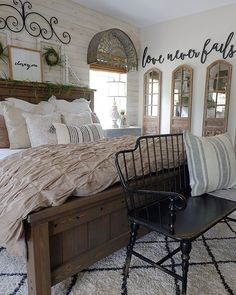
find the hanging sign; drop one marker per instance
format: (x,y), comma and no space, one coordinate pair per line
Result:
(226,49)
(25,64)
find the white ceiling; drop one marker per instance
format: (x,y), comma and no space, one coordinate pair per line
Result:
(143,13)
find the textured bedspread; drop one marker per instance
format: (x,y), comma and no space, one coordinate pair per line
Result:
(47,175)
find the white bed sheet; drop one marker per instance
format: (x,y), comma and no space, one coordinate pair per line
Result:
(6,152)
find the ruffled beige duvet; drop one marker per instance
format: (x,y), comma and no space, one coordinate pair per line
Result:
(47,176)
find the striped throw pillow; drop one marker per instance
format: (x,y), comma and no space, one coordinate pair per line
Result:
(211,163)
(73,134)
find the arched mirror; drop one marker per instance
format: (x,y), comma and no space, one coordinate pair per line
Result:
(152,101)
(217,95)
(181,99)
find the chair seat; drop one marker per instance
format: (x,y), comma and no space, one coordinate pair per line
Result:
(200,214)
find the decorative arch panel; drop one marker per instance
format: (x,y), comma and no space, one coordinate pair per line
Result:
(112,50)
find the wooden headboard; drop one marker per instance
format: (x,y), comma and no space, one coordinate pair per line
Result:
(36,92)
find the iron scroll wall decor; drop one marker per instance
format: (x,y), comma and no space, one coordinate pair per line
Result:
(21,20)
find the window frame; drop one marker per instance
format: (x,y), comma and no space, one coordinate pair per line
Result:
(216,125)
(181,123)
(152,120)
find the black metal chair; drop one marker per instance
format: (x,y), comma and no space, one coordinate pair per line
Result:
(154,176)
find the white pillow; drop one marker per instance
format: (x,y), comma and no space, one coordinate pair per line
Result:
(75,107)
(211,163)
(16,127)
(72,134)
(2,103)
(77,119)
(40,128)
(43,107)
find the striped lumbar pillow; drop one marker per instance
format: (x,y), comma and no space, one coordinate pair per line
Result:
(211,163)
(73,134)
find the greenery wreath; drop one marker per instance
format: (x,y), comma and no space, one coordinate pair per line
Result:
(52,57)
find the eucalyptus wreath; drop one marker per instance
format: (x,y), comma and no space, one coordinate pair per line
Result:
(52,57)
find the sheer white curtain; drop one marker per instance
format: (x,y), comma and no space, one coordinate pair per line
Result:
(100,81)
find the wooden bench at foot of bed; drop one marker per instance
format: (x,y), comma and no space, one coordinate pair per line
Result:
(64,240)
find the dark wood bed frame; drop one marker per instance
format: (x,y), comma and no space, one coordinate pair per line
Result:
(63,240)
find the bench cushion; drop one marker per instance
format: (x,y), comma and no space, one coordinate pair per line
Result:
(211,163)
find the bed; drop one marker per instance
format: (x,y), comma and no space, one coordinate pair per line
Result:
(64,240)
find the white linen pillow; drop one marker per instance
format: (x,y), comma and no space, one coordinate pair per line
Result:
(211,163)
(77,119)
(2,103)
(72,134)
(4,139)
(75,107)
(40,128)
(16,127)
(43,107)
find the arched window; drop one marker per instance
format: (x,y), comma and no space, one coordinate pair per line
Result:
(181,99)
(152,101)
(111,55)
(217,96)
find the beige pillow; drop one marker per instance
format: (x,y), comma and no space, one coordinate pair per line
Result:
(43,107)
(16,127)
(4,140)
(2,103)
(76,106)
(72,134)
(40,128)
(77,119)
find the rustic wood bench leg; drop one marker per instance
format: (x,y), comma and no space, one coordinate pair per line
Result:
(38,262)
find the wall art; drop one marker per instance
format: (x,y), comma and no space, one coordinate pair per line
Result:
(25,64)
(226,49)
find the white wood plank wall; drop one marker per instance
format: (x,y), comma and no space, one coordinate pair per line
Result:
(82,24)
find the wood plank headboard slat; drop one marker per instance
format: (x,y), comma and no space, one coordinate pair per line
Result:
(36,92)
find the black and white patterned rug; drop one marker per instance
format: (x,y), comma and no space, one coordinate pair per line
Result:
(212,269)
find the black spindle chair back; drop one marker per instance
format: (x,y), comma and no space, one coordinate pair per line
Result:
(157,163)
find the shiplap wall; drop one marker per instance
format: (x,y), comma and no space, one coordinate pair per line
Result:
(82,24)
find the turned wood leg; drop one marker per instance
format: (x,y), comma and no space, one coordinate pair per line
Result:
(185,247)
(38,262)
(133,234)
